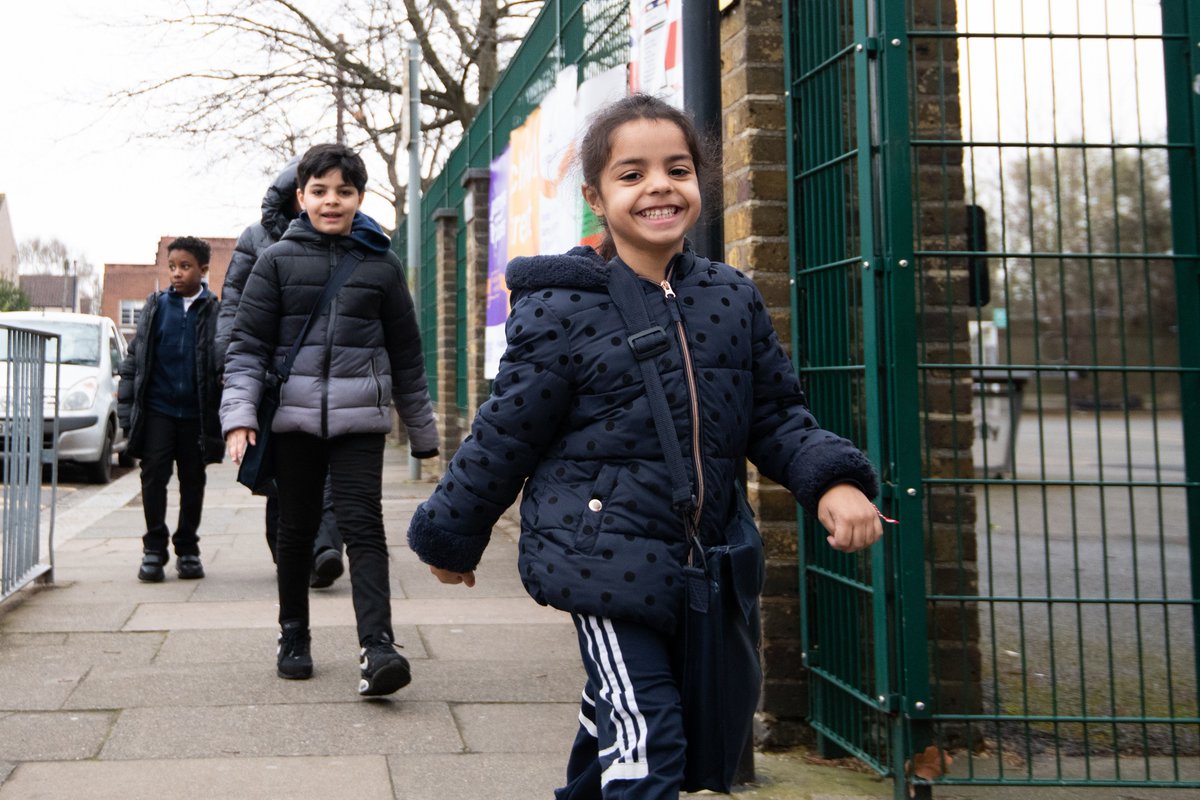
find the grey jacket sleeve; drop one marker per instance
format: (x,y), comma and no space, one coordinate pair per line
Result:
(410,389)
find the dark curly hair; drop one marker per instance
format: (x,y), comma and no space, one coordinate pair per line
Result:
(197,247)
(596,147)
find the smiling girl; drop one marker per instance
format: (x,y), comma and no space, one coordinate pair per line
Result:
(569,422)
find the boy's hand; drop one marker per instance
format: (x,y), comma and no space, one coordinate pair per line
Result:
(447,576)
(236,441)
(850,518)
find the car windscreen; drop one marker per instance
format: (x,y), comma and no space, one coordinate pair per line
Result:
(80,341)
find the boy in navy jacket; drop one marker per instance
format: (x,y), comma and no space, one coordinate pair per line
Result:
(168,401)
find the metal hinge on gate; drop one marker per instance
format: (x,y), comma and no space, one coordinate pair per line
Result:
(888,702)
(871,45)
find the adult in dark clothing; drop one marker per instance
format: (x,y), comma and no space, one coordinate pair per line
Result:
(168,401)
(362,354)
(279,208)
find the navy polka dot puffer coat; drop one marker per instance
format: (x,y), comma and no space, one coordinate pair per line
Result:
(569,422)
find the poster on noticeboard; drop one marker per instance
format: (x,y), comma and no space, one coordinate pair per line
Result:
(656,49)
(535,206)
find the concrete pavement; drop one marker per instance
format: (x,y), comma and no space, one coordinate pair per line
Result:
(111,688)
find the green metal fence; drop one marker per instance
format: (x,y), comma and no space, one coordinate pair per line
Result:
(996,248)
(588,34)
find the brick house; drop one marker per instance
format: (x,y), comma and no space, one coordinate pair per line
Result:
(52,292)
(127,285)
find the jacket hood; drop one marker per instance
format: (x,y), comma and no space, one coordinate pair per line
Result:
(364,231)
(578,268)
(280,201)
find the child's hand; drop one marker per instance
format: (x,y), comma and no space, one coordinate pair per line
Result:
(850,518)
(236,441)
(447,576)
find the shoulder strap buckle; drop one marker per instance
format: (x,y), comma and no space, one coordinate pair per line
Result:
(649,343)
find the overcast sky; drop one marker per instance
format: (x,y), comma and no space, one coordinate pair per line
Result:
(73,171)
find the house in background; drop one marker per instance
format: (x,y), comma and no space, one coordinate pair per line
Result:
(8,244)
(52,292)
(127,285)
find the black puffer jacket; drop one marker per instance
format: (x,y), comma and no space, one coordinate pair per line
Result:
(361,354)
(569,413)
(135,378)
(278,210)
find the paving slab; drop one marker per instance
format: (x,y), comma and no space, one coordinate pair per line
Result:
(364,727)
(6,769)
(477,776)
(414,581)
(37,650)
(53,736)
(358,777)
(257,646)
(518,727)
(39,616)
(78,590)
(337,611)
(44,687)
(545,681)
(499,642)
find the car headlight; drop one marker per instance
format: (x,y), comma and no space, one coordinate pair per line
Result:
(81,396)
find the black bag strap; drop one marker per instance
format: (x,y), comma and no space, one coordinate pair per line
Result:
(648,341)
(337,279)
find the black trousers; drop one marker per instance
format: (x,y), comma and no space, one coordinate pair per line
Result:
(172,444)
(354,464)
(328,535)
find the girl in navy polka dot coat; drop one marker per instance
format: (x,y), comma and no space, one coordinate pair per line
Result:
(570,424)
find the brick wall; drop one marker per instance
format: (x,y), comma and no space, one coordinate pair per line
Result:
(446,331)
(756,227)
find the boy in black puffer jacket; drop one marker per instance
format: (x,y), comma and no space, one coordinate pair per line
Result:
(362,353)
(167,401)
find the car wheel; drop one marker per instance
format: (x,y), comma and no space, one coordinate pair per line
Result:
(101,471)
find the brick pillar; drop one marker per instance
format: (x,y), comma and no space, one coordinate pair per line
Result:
(946,395)
(475,217)
(756,230)
(449,424)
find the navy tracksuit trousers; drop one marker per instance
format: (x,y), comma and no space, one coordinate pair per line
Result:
(630,744)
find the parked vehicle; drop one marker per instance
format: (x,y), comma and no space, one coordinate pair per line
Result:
(91,353)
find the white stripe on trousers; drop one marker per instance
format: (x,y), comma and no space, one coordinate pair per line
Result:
(629,725)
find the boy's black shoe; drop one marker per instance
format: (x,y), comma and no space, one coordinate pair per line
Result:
(294,658)
(189,567)
(151,570)
(383,669)
(327,568)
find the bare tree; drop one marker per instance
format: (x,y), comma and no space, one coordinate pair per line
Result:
(307,72)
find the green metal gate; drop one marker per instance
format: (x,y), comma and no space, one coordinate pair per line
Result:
(995,240)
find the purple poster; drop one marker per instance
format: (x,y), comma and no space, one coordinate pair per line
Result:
(497,291)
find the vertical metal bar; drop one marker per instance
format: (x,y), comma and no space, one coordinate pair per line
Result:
(1183,123)
(907,544)
(416,268)
(701,24)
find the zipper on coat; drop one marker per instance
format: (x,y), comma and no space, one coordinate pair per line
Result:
(328,349)
(693,394)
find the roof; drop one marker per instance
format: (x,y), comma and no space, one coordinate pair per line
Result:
(49,290)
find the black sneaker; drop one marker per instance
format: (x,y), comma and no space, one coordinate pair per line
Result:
(189,567)
(383,669)
(151,570)
(327,568)
(294,657)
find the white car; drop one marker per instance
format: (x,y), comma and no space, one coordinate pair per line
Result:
(92,349)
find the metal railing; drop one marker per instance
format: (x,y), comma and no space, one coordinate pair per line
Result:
(29,440)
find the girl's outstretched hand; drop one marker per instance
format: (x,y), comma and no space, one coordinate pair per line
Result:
(851,519)
(446,576)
